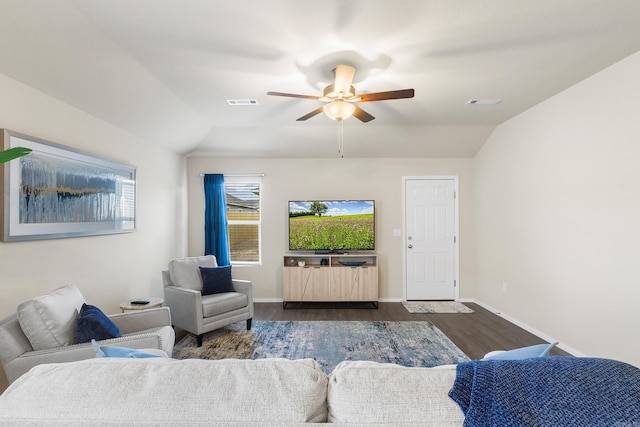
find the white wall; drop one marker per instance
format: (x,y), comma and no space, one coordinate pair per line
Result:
(558,215)
(107,269)
(296,179)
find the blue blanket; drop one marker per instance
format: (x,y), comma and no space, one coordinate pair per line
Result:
(548,391)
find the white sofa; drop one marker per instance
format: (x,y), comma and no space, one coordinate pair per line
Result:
(229,392)
(545,391)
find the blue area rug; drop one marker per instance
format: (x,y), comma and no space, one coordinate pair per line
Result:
(412,343)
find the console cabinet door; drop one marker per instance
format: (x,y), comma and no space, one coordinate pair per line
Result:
(341,278)
(307,284)
(366,288)
(354,283)
(319,288)
(292,279)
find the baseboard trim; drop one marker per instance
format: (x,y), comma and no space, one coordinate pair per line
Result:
(526,327)
(267,300)
(280,300)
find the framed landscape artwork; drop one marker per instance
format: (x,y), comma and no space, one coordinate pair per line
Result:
(55,192)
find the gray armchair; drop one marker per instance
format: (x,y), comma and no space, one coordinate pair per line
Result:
(42,331)
(197,313)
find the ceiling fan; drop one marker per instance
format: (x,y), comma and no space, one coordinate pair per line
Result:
(340,96)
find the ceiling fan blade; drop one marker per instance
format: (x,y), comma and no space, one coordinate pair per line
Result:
(382,96)
(362,115)
(344,77)
(293,95)
(311,114)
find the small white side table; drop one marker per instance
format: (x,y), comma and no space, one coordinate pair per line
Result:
(152,303)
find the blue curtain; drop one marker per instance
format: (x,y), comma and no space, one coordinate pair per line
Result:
(216,235)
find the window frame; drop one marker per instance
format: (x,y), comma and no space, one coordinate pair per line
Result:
(246,179)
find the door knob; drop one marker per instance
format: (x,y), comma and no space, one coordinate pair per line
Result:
(410,246)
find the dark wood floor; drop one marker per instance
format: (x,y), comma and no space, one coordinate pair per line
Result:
(475,333)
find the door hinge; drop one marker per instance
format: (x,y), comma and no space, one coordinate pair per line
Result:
(455,283)
(454,239)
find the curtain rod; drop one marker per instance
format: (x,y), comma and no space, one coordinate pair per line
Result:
(241,174)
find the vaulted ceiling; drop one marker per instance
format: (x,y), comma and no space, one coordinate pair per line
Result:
(164,69)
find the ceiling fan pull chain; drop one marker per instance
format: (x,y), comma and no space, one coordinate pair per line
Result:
(341,139)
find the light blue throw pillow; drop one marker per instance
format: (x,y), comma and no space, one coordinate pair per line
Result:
(539,350)
(112,351)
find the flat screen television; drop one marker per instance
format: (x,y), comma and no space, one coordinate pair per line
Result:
(332,225)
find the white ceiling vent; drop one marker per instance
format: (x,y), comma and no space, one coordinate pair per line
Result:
(242,101)
(484,101)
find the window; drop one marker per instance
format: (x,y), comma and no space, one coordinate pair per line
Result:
(243,215)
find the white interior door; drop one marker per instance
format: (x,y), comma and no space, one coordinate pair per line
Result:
(430,238)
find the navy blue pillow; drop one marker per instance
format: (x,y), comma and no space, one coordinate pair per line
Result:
(92,323)
(216,280)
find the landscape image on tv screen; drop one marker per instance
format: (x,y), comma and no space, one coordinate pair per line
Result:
(331,225)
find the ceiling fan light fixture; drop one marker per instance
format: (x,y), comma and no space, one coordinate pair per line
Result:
(339,110)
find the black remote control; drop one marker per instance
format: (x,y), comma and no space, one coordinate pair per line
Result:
(139,302)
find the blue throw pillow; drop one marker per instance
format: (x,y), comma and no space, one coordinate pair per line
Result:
(539,350)
(113,351)
(92,323)
(216,280)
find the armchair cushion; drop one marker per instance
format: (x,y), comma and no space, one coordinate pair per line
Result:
(215,304)
(184,272)
(216,280)
(48,321)
(92,323)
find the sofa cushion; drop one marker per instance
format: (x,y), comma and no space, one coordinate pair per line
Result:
(184,272)
(163,391)
(49,320)
(216,280)
(215,304)
(92,323)
(370,392)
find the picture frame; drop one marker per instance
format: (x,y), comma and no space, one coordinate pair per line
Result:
(59,192)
